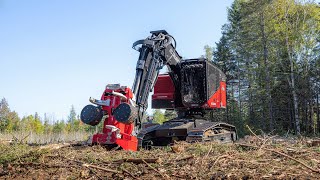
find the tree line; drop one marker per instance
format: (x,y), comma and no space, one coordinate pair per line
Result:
(270,52)
(11,122)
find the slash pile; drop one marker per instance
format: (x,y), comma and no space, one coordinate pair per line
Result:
(253,157)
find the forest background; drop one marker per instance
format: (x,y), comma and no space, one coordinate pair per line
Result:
(270,52)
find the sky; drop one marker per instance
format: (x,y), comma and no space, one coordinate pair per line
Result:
(55,54)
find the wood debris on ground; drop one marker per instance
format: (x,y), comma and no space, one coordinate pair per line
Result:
(253,157)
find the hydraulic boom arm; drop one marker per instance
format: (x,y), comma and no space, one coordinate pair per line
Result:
(155,51)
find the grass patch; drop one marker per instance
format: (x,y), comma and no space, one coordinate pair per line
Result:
(9,153)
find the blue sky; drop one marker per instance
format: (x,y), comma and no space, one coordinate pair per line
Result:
(54,54)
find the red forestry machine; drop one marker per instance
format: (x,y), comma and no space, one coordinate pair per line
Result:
(192,87)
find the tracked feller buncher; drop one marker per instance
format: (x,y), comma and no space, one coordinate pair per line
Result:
(191,87)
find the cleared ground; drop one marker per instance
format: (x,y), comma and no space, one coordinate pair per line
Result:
(251,158)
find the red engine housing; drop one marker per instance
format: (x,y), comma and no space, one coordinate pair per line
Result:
(201,86)
(164,93)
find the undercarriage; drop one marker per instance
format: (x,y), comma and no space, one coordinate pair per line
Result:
(186,129)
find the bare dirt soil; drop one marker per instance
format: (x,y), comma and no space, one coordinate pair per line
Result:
(253,157)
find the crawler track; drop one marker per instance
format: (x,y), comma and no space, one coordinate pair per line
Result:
(190,130)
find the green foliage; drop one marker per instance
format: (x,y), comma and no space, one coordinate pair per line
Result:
(208,52)
(270,52)
(72,116)
(58,127)
(30,123)
(158,116)
(13,152)
(224,59)
(170,114)
(74,123)
(8,119)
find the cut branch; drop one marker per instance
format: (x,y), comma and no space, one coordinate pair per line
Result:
(164,176)
(139,161)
